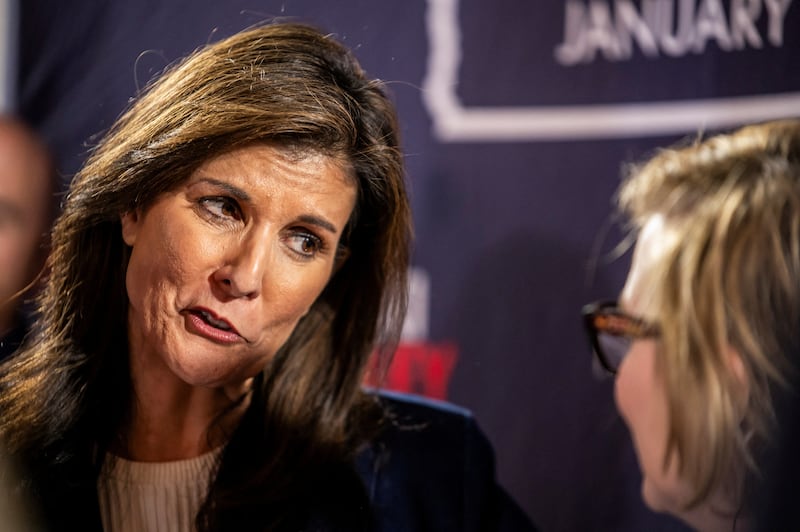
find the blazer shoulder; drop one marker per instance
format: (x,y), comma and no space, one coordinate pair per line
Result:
(432,468)
(416,407)
(413,422)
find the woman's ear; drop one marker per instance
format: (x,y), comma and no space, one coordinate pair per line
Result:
(741,380)
(130,226)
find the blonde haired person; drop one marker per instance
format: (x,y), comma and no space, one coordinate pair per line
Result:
(703,339)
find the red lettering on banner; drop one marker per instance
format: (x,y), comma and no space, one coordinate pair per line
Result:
(418,368)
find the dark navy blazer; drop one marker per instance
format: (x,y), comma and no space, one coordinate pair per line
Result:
(433,470)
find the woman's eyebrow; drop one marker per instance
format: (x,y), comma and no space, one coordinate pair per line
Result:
(240,194)
(234,191)
(320,222)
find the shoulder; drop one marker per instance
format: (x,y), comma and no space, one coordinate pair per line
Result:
(432,468)
(419,429)
(419,402)
(408,411)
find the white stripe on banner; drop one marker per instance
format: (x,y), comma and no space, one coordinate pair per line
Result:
(453,122)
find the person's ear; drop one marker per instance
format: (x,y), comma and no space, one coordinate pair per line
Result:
(130,226)
(741,381)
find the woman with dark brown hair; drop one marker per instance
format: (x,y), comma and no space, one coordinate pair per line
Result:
(230,256)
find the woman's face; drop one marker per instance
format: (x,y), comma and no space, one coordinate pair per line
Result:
(223,267)
(639,391)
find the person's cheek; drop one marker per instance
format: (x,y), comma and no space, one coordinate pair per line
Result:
(624,392)
(641,401)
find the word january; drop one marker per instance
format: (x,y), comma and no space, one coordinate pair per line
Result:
(661,27)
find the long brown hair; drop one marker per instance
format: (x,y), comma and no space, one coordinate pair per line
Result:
(67,395)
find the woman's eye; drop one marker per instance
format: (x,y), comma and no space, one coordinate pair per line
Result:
(222,207)
(305,244)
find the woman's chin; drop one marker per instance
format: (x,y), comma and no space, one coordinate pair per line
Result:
(203,364)
(652,497)
(661,498)
(672,500)
(209,373)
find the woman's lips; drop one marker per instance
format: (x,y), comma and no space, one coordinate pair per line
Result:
(205,323)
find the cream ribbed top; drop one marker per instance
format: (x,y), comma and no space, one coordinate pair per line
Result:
(153,496)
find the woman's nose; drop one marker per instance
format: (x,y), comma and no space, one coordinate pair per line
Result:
(243,273)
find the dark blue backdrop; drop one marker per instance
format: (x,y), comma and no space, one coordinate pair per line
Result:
(514,133)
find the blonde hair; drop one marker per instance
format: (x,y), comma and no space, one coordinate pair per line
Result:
(730,282)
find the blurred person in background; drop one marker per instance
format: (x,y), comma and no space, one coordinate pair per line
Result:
(704,337)
(27,200)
